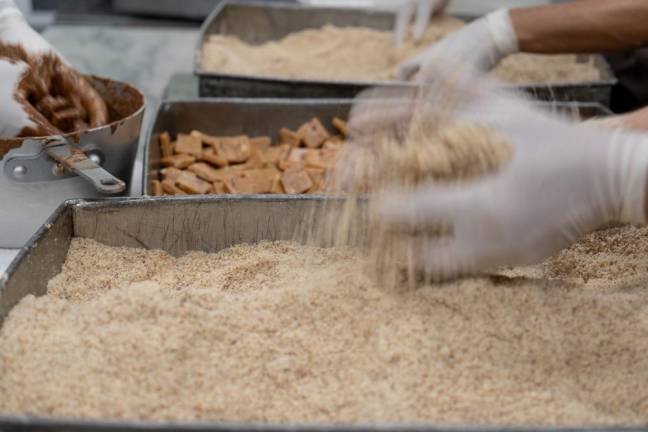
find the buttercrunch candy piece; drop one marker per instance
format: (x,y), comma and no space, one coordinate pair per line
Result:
(234,149)
(294,160)
(225,174)
(315,160)
(204,171)
(286,136)
(188,144)
(257,160)
(210,155)
(192,184)
(171,173)
(50,104)
(206,139)
(65,114)
(218,187)
(341,126)
(277,188)
(170,188)
(333,143)
(156,188)
(298,154)
(313,133)
(276,153)
(287,165)
(296,182)
(253,181)
(179,161)
(165,145)
(260,143)
(316,175)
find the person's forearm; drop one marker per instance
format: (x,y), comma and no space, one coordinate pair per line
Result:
(582,27)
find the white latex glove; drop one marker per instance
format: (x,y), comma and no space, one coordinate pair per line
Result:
(15,30)
(478,46)
(32,70)
(563,181)
(17,115)
(419,12)
(407,11)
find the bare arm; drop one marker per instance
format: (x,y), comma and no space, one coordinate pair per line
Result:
(582,26)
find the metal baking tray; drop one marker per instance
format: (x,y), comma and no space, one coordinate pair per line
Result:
(258,22)
(222,117)
(176,225)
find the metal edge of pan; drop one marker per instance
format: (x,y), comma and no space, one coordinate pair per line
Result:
(33,241)
(40,424)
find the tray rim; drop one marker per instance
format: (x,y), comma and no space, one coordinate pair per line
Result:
(266,79)
(28,423)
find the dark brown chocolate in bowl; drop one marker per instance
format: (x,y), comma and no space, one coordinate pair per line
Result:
(124,103)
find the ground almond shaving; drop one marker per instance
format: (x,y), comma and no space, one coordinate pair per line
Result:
(359,53)
(281,333)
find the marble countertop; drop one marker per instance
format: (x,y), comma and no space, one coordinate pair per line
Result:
(148,57)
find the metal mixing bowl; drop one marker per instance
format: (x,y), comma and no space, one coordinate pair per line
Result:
(31,184)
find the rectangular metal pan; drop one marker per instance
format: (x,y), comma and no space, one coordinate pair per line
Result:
(255,117)
(258,22)
(176,225)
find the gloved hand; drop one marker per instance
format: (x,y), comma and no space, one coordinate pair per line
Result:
(563,181)
(478,46)
(33,71)
(419,12)
(18,117)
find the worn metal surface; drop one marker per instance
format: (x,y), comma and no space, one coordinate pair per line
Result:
(27,204)
(265,117)
(76,161)
(209,224)
(258,22)
(176,225)
(37,262)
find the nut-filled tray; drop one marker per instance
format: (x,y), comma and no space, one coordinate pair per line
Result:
(257,117)
(176,225)
(258,22)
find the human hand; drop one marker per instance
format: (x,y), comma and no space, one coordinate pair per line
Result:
(419,12)
(563,181)
(62,95)
(479,46)
(18,117)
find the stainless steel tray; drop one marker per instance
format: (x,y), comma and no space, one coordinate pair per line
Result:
(265,117)
(257,22)
(176,225)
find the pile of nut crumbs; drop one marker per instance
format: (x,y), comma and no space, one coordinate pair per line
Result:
(365,54)
(277,332)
